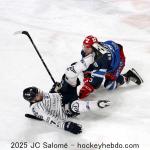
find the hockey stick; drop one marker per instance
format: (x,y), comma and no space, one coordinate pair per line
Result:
(33,117)
(28,35)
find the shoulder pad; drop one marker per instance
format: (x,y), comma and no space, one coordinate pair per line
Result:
(100,48)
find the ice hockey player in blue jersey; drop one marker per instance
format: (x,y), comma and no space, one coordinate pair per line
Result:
(109,61)
(52,108)
(100,61)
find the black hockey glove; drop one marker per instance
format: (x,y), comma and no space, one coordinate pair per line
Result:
(73,127)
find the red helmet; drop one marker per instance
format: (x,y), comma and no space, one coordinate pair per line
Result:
(89,41)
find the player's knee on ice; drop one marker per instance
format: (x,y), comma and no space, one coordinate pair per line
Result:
(96,82)
(113,84)
(110,85)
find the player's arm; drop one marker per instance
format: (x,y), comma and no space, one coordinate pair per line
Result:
(70,77)
(40,112)
(79,106)
(92,83)
(75,69)
(96,77)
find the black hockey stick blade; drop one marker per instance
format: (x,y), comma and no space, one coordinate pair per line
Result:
(21,32)
(25,32)
(33,117)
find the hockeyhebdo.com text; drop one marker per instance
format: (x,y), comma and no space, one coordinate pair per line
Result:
(77,145)
(104,146)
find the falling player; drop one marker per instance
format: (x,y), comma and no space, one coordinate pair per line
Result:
(51,108)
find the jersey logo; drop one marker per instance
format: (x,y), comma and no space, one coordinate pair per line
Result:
(71,68)
(75,107)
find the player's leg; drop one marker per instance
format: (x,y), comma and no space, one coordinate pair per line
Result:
(131,75)
(113,84)
(68,92)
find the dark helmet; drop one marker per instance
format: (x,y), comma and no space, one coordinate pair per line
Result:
(30,93)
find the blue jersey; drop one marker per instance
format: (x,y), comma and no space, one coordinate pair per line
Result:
(105,63)
(110,60)
(114,49)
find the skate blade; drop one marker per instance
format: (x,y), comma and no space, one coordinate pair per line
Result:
(137,75)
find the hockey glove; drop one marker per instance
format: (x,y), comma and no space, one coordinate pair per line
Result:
(87,76)
(86,90)
(103,103)
(73,127)
(55,88)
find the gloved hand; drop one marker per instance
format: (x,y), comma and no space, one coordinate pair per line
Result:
(55,88)
(86,90)
(87,80)
(87,76)
(103,103)
(73,127)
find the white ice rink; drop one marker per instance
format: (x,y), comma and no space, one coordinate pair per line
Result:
(58,28)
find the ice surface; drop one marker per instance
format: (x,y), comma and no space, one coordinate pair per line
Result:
(58,29)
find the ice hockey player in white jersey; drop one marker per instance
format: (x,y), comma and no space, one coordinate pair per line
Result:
(70,80)
(52,108)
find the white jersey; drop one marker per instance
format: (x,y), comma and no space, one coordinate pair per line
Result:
(50,109)
(74,70)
